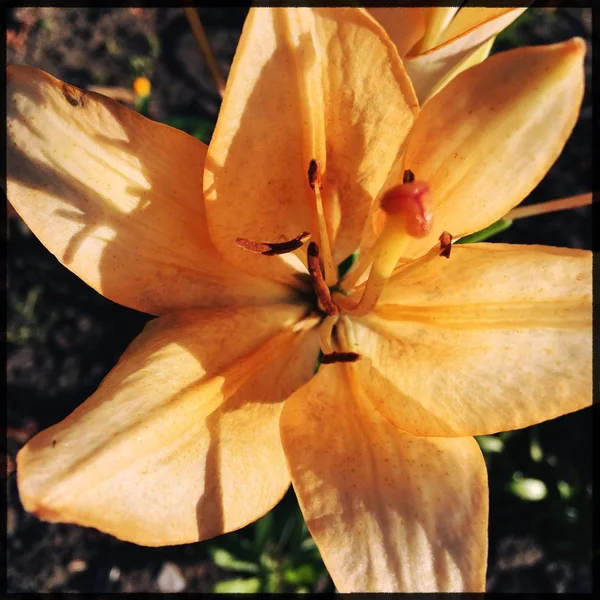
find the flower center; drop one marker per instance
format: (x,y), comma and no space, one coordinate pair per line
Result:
(408,215)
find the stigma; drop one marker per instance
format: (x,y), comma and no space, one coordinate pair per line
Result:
(409,215)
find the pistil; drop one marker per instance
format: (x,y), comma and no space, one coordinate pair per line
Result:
(316,183)
(365,261)
(408,216)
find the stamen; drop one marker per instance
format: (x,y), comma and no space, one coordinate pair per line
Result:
(345,341)
(346,335)
(358,270)
(316,183)
(409,215)
(445,244)
(334,357)
(408,176)
(273,248)
(314,174)
(325,333)
(435,252)
(318,283)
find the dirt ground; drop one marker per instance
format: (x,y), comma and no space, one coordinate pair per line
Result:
(63,337)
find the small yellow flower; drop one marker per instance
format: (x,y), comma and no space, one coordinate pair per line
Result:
(142,87)
(214,409)
(438,43)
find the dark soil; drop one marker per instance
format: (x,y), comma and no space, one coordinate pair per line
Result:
(63,337)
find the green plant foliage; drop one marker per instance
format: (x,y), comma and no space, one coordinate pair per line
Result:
(276,554)
(488,232)
(198,127)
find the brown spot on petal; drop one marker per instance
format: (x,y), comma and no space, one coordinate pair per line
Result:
(74,96)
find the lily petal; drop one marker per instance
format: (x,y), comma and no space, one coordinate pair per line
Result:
(324,84)
(487,18)
(437,19)
(474,57)
(389,512)
(483,142)
(405,26)
(496,338)
(180,443)
(117,198)
(474,26)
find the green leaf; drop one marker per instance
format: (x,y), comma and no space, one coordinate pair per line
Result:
(490,444)
(345,265)
(301,575)
(238,586)
(488,232)
(535,451)
(564,489)
(141,104)
(196,126)
(263,532)
(528,489)
(226,560)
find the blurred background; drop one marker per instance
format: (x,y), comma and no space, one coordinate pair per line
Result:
(62,339)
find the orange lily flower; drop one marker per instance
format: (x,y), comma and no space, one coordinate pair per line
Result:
(438,43)
(214,408)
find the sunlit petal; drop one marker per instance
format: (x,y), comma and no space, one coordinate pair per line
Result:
(305,83)
(474,26)
(181,442)
(496,338)
(117,198)
(437,19)
(388,511)
(405,26)
(483,143)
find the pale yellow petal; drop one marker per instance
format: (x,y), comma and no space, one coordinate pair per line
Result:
(496,338)
(389,512)
(469,18)
(428,68)
(117,198)
(483,142)
(474,57)
(181,441)
(305,83)
(405,26)
(437,19)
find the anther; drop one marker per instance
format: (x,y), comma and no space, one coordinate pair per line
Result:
(445,244)
(334,357)
(318,283)
(314,174)
(316,183)
(408,176)
(273,248)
